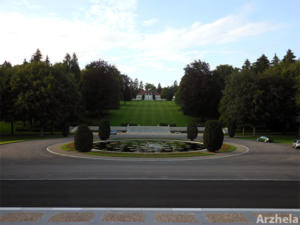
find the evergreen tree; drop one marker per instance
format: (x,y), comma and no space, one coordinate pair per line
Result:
(275,60)
(37,56)
(141,86)
(158,88)
(74,67)
(289,57)
(247,65)
(261,64)
(67,62)
(192,131)
(47,61)
(213,135)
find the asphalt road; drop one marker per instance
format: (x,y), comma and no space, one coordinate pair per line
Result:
(151,193)
(30,160)
(267,176)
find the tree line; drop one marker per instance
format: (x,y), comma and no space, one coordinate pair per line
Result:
(263,94)
(50,96)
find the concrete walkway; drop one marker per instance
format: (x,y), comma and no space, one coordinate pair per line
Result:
(148,130)
(145,216)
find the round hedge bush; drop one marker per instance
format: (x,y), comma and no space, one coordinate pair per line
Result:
(192,131)
(104,130)
(83,139)
(213,135)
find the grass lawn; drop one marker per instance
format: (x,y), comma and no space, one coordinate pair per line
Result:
(283,139)
(6,138)
(21,138)
(149,113)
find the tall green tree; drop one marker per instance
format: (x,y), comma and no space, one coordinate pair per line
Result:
(240,99)
(101,88)
(67,62)
(197,88)
(126,90)
(289,57)
(141,86)
(7,96)
(246,65)
(74,67)
(37,56)
(275,60)
(65,97)
(33,83)
(159,88)
(261,64)
(150,87)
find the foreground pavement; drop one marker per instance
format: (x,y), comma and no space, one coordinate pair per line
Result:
(146,216)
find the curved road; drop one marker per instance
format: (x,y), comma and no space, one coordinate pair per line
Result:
(268,176)
(30,160)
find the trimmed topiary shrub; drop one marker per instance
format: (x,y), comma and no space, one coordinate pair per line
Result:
(104,129)
(192,131)
(231,129)
(213,135)
(83,139)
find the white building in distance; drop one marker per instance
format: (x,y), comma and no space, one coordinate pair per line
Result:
(148,95)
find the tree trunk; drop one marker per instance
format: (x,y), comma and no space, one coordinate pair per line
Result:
(42,132)
(12,130)
(52,128)
(254,131)
(243,131)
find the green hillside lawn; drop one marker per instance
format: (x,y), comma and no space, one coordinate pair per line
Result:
(149,113)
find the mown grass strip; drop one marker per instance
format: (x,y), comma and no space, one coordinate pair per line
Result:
(150,155)
(149,113)
(283,139)
(227,148)
(9,142)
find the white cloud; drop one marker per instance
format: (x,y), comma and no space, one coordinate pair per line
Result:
(110,26)
(150,22)
(118,14)
(224,30)
(27,4)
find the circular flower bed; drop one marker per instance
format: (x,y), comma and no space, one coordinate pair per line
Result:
(147,146)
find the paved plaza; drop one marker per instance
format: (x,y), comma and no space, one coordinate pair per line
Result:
(99,216)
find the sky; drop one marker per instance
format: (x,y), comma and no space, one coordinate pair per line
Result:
(152,40)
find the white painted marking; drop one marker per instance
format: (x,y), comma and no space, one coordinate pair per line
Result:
(155,159)
(151,209)
(147,178)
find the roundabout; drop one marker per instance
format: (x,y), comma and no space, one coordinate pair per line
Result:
(154,150)
(31,160)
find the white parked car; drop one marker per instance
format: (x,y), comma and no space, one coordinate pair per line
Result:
(296,144)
